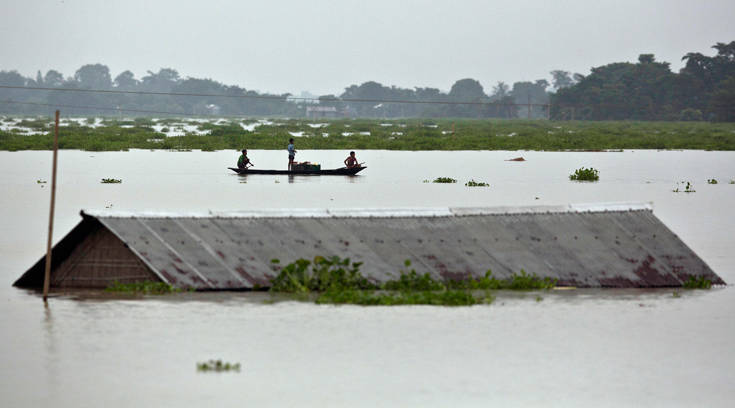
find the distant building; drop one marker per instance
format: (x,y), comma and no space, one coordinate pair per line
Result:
(213,109)
(318,112)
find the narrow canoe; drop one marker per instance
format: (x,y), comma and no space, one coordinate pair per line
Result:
(331,172)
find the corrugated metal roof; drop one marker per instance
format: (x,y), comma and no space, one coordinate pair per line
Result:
(619,245)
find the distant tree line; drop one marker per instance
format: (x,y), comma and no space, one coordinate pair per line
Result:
(648,90)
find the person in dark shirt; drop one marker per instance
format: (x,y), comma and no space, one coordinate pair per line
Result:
(243,162)
(351,161)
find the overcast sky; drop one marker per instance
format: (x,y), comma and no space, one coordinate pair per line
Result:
(323,46)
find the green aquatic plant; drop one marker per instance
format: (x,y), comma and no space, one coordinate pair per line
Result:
(444,180)
(473,183)
(146,288)
(409,280)
(217,366)
(39,181)
(697,282)
(520,281)
(339,281)
(585,174)
(712,181)
(319,275)
(688,188)
(732,181)
(111,181)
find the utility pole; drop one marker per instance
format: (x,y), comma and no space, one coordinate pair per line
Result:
(47,274)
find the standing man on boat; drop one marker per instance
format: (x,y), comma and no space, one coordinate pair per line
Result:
(291,153)
(243,162)
(351,161)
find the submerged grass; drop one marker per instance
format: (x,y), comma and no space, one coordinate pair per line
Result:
(403,134)
(338,281)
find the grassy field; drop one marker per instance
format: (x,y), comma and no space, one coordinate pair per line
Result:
(404,134)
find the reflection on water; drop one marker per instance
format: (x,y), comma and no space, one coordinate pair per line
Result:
(578,347)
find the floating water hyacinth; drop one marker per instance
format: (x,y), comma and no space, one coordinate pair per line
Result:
(218,366)
(111,181)
(473,183)
(444,180)
(585,174)
(688,188)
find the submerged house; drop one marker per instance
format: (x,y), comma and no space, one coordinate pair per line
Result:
(584,246)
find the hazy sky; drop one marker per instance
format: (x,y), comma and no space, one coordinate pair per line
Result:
(324,46)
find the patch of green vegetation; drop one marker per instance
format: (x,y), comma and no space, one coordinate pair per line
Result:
(585,174)
(339,281)
(676,294)
(732,181)
(444,180)
(469,134)
(39,181)
(520,281)
(324,274)
(712,181)
(688,188)
(697,282)
(217,366)
(111,181)
(146,288)
(473,183)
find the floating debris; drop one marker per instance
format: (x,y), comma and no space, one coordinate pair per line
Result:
(444,180)
(111,181)
(517,159)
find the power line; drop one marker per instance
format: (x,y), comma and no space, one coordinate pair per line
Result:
(271,97)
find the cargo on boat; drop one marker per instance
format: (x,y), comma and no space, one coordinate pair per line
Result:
(622,245)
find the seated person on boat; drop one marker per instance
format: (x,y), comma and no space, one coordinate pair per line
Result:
(243,162)
(351,161)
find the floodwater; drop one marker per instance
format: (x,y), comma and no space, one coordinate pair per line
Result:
(567,348)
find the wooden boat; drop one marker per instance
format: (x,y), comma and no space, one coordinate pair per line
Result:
(344,171)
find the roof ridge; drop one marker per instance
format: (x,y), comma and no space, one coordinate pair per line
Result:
(385,212)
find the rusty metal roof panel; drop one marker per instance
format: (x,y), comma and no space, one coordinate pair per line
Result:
(620,245)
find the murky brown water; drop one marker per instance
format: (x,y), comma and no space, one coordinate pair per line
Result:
(584,348)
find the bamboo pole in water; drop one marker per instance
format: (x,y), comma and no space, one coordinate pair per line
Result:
(47,275)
